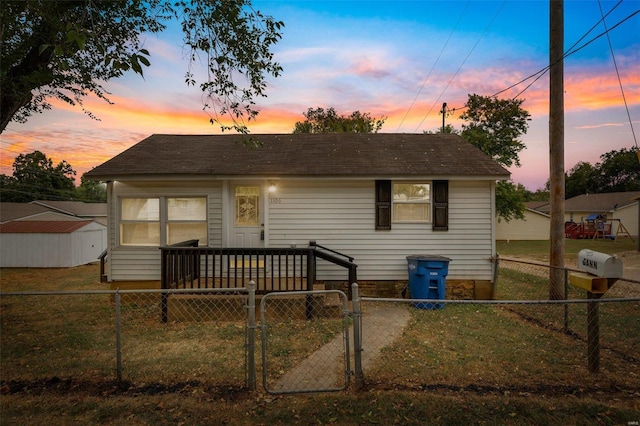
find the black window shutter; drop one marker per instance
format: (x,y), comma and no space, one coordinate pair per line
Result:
(440,205)
(383,204)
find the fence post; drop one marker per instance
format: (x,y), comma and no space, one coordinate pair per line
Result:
(251,344)
(357,337)
(496,271)
(164,284)
(566,297)
(118,337)
(593,332)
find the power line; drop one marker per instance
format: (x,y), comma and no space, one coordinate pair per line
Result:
(541,72)
(463,62)
(455,27)
(569,52)
(615,64)
(39,195)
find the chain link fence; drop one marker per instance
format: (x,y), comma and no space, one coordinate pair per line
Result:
(513,346)
(521,343)
(320,341)
(305,341)
(120,336)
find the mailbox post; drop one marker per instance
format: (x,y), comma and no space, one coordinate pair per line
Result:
(601,272)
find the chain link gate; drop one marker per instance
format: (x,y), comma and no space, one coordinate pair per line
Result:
(305,341)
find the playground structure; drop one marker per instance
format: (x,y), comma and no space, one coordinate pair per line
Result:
(595,226)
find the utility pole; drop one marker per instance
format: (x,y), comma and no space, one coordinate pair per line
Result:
(556,148)
(444,114)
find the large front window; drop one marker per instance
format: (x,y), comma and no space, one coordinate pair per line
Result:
(411,202)
(142,220)
(186,220)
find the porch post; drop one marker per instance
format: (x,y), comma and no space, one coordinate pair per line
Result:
(163,284)
(251,344)
(311,268)
(357,337)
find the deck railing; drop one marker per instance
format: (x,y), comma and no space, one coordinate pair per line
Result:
(103,262)
(187,266)
(273,269)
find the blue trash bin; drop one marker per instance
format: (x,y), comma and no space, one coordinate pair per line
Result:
(427,279)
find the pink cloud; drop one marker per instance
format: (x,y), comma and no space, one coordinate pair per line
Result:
(367,68)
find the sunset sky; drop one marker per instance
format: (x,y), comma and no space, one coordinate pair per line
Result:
(397,59)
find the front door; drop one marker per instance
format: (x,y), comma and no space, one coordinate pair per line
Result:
(246,216)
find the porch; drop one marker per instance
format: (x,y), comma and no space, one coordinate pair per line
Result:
(187,266)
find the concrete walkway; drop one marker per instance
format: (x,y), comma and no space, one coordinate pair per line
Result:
(325,369)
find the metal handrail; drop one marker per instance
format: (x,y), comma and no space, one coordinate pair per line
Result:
(314,244)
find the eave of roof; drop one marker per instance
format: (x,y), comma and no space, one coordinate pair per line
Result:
(75,208)
(311,155)
(598,203)
(11,211)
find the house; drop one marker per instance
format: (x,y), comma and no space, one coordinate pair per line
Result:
(374,197)
(42,210)
(534,226)
(28,211)
(619,210)
(86,211)
(39,236)
(50,243)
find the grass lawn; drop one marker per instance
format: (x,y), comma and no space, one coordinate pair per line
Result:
(465,364)
(539,250)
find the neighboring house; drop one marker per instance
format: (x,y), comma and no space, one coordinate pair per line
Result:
(617,207)
(51,243)
(375,197)
(534,226)
(39,235)
(82,210)
(28,211)
(54,210)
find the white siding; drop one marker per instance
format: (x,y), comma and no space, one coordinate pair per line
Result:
(629,218)
(143,263)
(52,250)
(535,226)
(88,243)
(340,215)
(35,250)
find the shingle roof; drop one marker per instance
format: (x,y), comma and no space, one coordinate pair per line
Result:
(43,227)
(329,154)
(597,203)
(536,205)
(13,211)
(76,208)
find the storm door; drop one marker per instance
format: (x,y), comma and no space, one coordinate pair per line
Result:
(246,216)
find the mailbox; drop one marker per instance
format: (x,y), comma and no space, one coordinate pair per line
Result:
(599,264)
(601,270)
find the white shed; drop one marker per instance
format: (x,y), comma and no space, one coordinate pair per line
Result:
(51,244)
(534,226)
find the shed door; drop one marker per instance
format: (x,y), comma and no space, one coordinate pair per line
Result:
(246,216)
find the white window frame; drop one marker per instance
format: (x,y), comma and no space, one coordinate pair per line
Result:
(428,202)
(169,221)
(124,222)
(163,222)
